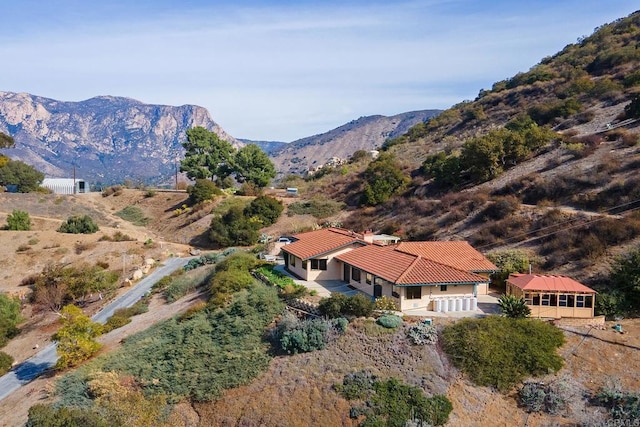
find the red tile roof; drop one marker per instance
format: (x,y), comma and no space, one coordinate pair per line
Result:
(457,254)
(318,242)
(534,282)
(402,268)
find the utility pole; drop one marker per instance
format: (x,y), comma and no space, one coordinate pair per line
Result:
(177,159)
(74,179)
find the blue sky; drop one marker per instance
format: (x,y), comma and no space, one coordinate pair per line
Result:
(283,70)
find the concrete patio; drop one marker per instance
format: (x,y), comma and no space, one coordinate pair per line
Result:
(487,304)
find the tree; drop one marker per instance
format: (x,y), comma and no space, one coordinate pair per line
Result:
(76,337)
(206,156)
(508,261)
(383,178)
(267,209)
(18,221)
(9,318)
(251,164)
(26,177)
(513,307)
(625,280)
(234,228)
(6,141)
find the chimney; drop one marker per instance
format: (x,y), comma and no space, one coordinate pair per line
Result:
(367,236)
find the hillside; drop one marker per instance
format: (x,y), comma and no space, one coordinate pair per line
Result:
(365,133)
(553,197)
(108,139)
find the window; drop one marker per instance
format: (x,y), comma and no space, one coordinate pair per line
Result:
(580,301)
(304,265)
(570,301)
(588,301)
(554,300)
(563,300)
(528,299)
(293,261)
(413,292)
(318,264)
(536,299)
(369,278)
(545,299)
(355,274)
(443,288)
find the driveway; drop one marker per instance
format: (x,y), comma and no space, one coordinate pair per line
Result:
(27,371)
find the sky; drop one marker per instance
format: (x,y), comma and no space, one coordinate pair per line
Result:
(281,70)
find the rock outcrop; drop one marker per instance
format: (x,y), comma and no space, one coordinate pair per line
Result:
(108,139)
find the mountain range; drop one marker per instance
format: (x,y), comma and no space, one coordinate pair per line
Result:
(109,139)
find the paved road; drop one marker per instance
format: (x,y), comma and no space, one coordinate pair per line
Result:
(45,359)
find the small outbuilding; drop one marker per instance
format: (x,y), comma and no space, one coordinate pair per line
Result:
(553,296)
(66,185)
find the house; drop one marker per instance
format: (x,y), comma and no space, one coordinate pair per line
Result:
(66,185)
(441,276)
(553,296)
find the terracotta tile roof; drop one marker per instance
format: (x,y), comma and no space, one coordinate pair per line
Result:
(402,268)
(318,242)
(457,254)
(535,282)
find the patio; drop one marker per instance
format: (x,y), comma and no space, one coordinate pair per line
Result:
(487,304)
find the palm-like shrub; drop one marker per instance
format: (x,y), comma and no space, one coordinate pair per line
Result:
(513,307)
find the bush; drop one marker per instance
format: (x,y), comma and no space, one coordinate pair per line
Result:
(78,225)
(203,190)
(389,321)
(422,333)
(6,361)
(114,190)
(301,336)
(115,322)
(338,305)
(267,209)
(513,307)
(9,318)
(385,303)
(18,221)
(540,397)
(498,351)
(622,406)
(392,403)
(318,207)
(134,215)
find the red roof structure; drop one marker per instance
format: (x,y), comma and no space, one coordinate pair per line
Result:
(318,242)
(458,254)
(403,268)
(542,283)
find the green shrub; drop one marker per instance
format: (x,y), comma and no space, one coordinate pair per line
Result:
(513,307)
(195,358)
(134,215)
(6,361)
(392,403)
(385,303)
(115,322)
(9,318)
(622,406)
(541,397)
(303,336)
(500,352)
(203,190)
(389,321)
(206,259)
(78,225)
(339,305)
(318,207)
(422,333)
(267,209)
(288,287)
(18,221)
